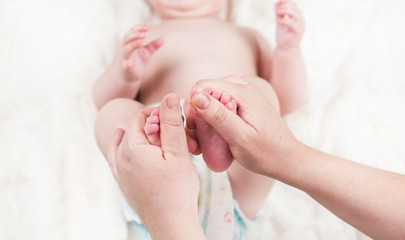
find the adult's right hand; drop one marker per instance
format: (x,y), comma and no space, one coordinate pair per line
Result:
(367,198)
(256,135)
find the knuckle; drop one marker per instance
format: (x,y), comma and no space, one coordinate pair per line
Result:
(248,87)
(170,152)
(173,122)
(205,82)
(233,78)
(201,82)
(230,77)
(245,139)
(220,115)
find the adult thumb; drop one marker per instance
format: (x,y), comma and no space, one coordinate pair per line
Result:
(172,133)
(228,124)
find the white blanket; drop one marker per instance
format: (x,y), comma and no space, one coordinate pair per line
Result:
(54,183)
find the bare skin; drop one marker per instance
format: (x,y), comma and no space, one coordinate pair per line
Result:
(195,44)
(202,128)
(372,200)
(141,181)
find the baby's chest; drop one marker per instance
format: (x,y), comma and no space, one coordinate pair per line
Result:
(207,49)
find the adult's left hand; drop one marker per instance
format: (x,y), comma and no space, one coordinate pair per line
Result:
(160,183)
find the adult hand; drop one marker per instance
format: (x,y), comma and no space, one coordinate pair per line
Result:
(160,183)
(256,135)
(369,199)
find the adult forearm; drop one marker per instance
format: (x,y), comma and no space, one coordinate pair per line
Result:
(369,199)
(112,85)
(186,230)
(289,78)
(172,225)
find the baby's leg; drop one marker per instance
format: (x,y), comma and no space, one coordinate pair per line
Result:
(215,149)
(248,188)
(117,113)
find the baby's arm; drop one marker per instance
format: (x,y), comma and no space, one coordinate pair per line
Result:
(287,74)
(122,77)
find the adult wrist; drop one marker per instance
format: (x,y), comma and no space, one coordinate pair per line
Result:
(286,160)
(295,165)
(177,228)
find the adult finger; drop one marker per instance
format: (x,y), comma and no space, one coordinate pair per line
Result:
(235,86)
(154,45)
(227,123)
(113,150)
(188,112)
(172,132)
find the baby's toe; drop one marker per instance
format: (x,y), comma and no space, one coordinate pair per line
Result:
(225,98)
(231,105)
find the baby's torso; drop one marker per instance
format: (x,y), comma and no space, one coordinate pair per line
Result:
(195,50)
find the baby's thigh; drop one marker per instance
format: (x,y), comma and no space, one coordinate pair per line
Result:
(117,113)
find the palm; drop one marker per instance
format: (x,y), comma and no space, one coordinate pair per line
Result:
(286,36)
(135,55)
(139,60)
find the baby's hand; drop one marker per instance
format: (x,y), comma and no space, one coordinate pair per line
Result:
(134,56)
(290,24)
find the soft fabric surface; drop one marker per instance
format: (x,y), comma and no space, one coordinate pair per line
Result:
(55,184)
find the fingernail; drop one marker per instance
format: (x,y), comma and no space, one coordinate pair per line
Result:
(201,101)
(173,103)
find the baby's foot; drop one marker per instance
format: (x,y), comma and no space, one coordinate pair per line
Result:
(152,127)
(290,24)
(215,149)
(152,131)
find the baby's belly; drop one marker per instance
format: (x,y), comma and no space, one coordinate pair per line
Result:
(181,79)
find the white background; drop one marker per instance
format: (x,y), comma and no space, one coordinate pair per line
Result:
(54,183)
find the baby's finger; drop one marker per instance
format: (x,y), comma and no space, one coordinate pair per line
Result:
(131,47)
(292,24)
(134,36)
(140,28)
(291,8)
(154,45)
(286,3)
(127,64)
(292,13)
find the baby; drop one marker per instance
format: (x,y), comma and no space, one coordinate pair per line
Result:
(190,43)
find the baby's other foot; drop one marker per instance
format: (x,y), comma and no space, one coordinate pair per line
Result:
(152,127)
(152,131)
(290,24)
(215,149)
